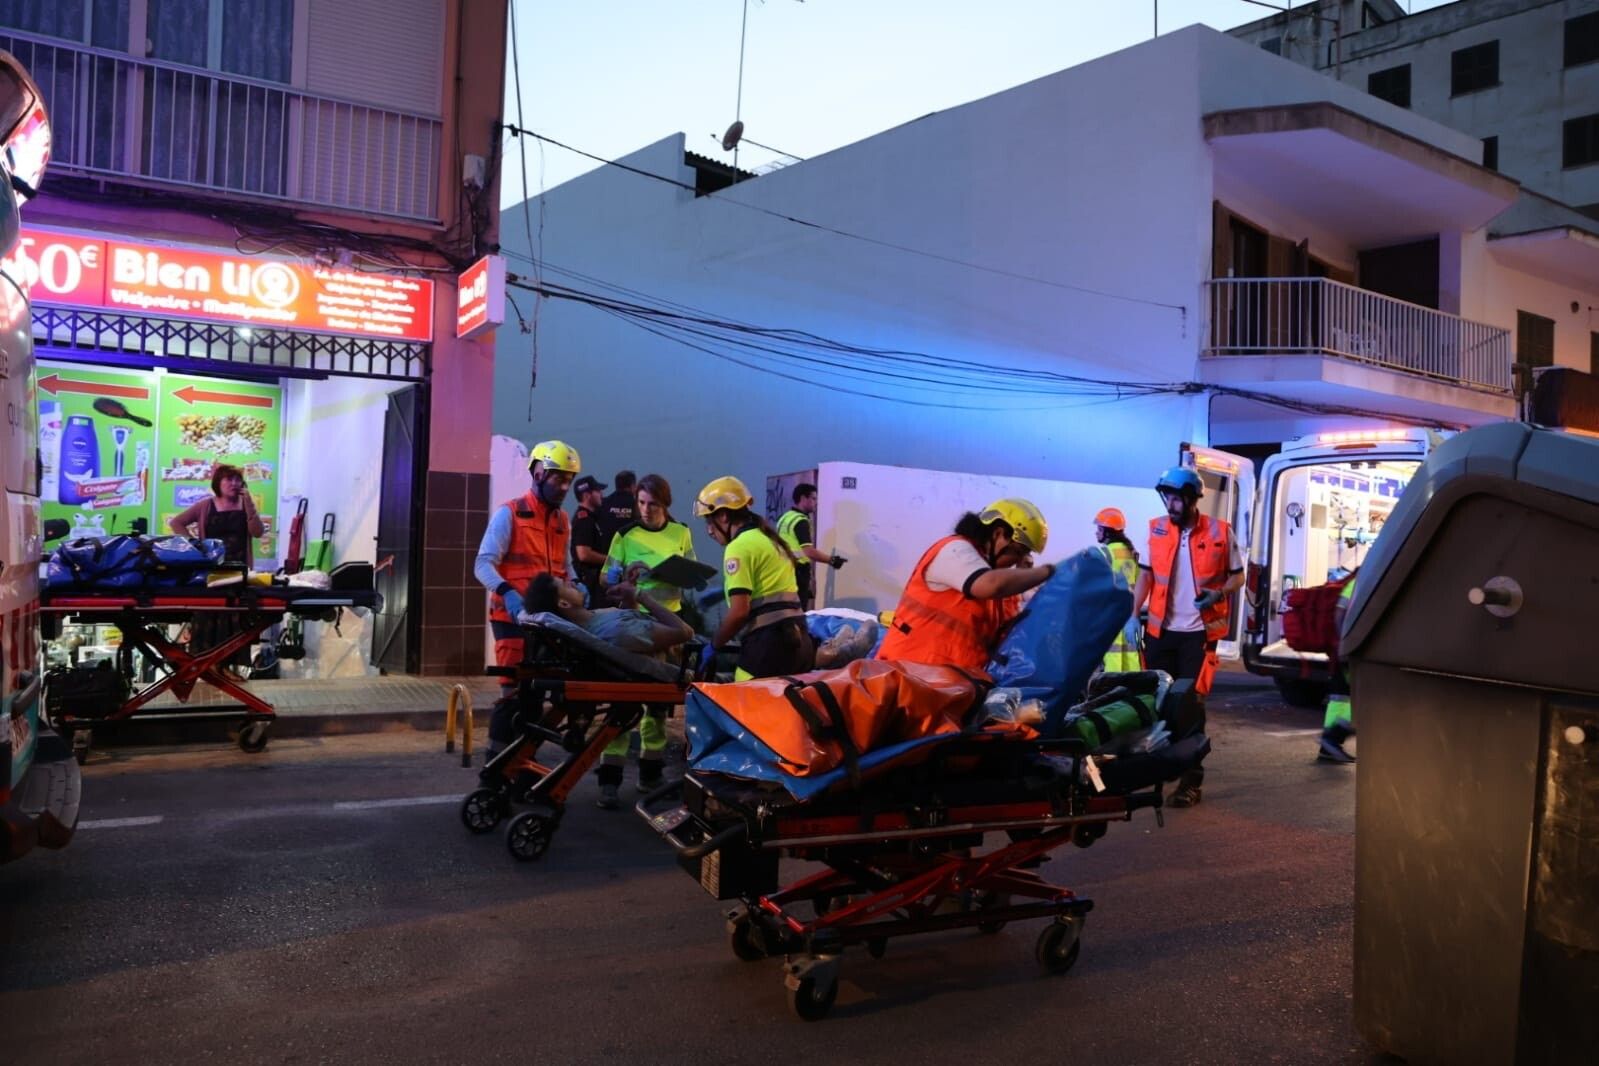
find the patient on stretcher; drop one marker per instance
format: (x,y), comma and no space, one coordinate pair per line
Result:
(624,626)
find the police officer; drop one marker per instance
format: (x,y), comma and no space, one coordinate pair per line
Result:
(588,545)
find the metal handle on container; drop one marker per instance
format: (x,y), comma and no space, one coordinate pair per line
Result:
(1499,596)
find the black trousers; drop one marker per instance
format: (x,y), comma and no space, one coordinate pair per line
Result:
(1182,655)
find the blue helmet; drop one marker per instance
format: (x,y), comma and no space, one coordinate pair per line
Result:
(1180,479)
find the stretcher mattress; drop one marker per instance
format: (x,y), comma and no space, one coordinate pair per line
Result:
(639,667)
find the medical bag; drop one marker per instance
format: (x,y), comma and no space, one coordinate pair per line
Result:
(1310,620)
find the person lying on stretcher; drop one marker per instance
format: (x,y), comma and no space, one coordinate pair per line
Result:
(625,625)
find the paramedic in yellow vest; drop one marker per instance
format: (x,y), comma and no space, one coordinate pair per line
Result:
(1110,530)
(796,530)
(647,541)
(763,606)
(1338,724)
(1188,577)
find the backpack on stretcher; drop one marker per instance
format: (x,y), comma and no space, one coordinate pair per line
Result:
(1310,620)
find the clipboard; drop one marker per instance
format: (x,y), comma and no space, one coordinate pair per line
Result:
(682,573)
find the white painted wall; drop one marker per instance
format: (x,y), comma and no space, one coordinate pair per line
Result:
(894,513)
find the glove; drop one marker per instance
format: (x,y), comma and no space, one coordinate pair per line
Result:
(1209,598)
(707,660)
(837,561)
(513,603)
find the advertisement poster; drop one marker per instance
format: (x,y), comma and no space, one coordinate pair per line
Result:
(205,421)
(96,443)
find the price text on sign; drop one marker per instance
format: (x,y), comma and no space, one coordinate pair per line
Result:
(60,268)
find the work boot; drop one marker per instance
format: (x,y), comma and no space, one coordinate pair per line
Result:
(650,775)
(610,797)
(1186,795)
(1331,749)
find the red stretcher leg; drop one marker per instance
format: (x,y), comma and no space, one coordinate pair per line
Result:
(186,668)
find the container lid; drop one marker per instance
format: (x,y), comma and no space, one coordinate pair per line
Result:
(1510,452)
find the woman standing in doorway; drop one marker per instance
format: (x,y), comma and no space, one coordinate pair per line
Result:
(228,515)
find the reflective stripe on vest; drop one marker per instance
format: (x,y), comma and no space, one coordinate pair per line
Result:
(1208,558)
(769,610)
(786,529)
(538,545)
(944,628)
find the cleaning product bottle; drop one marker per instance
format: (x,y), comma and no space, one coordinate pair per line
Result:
(80,457)
(50,450)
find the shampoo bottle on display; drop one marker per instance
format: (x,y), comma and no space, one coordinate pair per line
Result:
(80,457)
(50,450)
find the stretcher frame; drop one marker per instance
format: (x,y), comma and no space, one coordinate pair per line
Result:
(581,715)
(888,874)
(141,616)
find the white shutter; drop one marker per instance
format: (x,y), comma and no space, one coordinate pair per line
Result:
(388,53)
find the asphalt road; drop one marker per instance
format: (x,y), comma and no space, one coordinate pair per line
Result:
(322,902)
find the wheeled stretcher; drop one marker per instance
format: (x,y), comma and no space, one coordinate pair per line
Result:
(143,617)
(940,834)
(578,693)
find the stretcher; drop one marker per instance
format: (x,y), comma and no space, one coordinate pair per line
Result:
(944,834)
(578,693)
(143,617)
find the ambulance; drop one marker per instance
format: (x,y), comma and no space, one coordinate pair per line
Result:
(1309,517)
(39,782)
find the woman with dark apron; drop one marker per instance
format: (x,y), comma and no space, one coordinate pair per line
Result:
(228,515)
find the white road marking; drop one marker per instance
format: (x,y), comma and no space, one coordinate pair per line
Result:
(408,801)
(1293,733)
(121,823)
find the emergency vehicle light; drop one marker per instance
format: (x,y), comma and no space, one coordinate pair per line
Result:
(1362,436)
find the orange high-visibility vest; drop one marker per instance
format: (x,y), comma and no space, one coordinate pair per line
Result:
(1207,554)
(946,628)
(539,537)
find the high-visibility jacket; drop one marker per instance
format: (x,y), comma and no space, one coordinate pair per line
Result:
(1123,655)
(947,627)
(788,529)
(539,537)
(1207,555)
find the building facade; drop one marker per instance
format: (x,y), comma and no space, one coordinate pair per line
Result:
(281,193)
(1522,76)
(1186,241)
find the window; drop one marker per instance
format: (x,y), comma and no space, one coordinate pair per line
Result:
(1490,152)
(1392,85)
(1582,39)
(1274,45)
(1581,142)
(1535,339)
(1474,69)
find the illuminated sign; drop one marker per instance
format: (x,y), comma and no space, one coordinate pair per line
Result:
(480,297)
(61,268)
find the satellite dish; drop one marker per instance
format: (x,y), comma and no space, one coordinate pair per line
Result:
(734,134)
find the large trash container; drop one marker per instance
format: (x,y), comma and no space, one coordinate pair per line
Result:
(1473,642)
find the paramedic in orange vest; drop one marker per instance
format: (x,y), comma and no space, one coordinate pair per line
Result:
(964,589)
(526,537)
(1188,576)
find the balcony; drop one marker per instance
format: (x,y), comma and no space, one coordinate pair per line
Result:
(117,116)
(1278,317)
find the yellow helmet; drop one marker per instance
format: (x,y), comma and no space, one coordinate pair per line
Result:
(555,455)
(724,492)
(1026,521)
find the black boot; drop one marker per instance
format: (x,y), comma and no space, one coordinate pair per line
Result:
(609,775)
(1331,747)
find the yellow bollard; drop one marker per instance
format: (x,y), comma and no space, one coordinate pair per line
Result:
(460,699)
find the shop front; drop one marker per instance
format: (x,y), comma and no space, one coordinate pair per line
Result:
(159,362)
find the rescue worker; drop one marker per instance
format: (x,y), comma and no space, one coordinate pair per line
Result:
(1110,531)
(795,529)
(526,537)
(763,607)
(1338,722)
(651,539)
(1188,578)
(964,590)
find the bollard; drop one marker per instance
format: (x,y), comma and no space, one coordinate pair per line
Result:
(460,699)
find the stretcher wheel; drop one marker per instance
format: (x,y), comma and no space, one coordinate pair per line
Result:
(744,940)
(253,736)
(810,1000)
(1058,946)
(482,810)
(530,833)
(81,740)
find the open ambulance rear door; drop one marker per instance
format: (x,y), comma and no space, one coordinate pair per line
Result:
(1229,482)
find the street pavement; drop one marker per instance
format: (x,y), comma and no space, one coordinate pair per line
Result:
(322,901)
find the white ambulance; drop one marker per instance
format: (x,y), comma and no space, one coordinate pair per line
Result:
(39,782)
(1309,518)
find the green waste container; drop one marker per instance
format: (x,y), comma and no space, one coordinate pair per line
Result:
(1473,643)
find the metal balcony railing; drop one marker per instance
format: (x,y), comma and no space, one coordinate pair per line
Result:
(1317,316)
(114,115)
